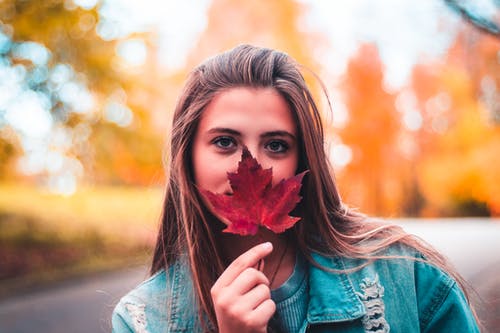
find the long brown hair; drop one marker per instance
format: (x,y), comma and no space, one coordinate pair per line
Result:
(329,227)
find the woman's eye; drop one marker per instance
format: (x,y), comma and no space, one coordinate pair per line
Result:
(224,142)
(277,146)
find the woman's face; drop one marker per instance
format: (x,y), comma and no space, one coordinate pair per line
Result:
(258,118)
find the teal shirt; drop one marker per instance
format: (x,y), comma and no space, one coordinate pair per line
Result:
(388,295)
(292,299)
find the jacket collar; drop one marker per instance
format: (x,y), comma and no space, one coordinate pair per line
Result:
(331,295)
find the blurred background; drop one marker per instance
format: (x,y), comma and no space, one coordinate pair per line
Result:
(87,89)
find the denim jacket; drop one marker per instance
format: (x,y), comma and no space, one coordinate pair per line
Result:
(396,295)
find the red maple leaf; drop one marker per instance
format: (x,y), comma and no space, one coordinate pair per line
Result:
(254,201)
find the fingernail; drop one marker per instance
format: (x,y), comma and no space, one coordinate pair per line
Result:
(267,245)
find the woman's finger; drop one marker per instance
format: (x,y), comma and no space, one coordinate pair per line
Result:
(256,296)
(244,261)
(262,313)
(247,280)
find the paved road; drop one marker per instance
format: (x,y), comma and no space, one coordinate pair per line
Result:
(85,305)
(78,306)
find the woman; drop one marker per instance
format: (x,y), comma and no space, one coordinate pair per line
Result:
(333,271)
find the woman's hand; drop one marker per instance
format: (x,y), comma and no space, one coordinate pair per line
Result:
(241,295)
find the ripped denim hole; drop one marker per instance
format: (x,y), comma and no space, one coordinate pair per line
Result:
(373,292)
(138,316)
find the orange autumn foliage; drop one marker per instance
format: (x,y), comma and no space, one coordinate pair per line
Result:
(460,158)
(371,180)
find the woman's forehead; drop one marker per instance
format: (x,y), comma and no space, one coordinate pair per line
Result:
(246,107)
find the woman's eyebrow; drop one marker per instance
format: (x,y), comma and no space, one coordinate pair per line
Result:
(224,130)
(237,133)
(278,133)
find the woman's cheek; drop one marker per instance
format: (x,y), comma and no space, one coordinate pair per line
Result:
(212,176)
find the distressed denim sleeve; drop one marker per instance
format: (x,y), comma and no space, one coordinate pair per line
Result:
(453,315)
(118,322)
(442,305)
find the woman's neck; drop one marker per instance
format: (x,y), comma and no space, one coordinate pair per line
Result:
(278,266)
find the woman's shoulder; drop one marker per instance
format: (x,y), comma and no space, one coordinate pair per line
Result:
(408,283)
(400,260)
(401,282)
(148,304)
(427,286)
(135,310)
(398,265)
(155,285)
(429,279)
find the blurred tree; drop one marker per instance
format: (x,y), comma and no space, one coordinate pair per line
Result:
(477,53)
(69,32)
(254,25)
(129,145)
(235,22)
(372,179)
(460,140)
(77,85)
